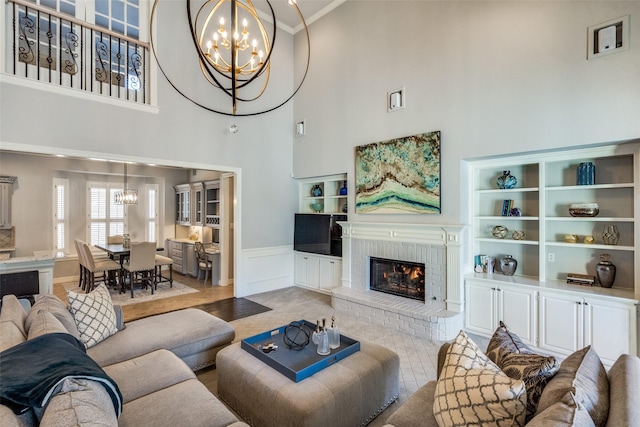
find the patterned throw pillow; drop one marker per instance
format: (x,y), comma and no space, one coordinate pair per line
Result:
(519,362)
(472,390)
(94,315)
(504,342)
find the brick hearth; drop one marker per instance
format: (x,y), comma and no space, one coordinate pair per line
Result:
(438,247)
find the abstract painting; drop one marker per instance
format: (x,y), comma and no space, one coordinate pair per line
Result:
(401,175)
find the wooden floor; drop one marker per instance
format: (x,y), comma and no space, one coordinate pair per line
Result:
(206,294)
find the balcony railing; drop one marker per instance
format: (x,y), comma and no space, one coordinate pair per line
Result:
(55,48)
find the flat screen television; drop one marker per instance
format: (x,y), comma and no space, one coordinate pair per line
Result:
(318,234)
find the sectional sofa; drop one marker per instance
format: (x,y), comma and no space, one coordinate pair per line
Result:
(151,361)
(577,392)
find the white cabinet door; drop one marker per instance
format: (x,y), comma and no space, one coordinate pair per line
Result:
(313,272)
(603,317)
(481,312)
(299,269)
(306,271)
(488,303)
(517,308)
(330,274)
(561,323)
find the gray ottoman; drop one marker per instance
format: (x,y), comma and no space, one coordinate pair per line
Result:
(350,393)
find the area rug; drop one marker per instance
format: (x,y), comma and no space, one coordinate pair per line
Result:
(233,308)
(141,295)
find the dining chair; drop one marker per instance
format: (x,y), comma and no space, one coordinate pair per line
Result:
(203,262)
(141,267)
(108,269)
(81,263)
(117,240)
(162,261)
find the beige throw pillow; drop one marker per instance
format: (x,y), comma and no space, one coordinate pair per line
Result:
(53,305)
(45,323)
(582,374)
(94,315)
(566,413)
(472,390)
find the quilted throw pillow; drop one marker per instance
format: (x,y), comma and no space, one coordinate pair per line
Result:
(472,390)
(519,362)
(94,315)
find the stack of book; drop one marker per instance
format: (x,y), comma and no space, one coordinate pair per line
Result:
(507,205)
(580,279)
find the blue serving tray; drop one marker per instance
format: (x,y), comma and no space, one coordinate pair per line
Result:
(297,364)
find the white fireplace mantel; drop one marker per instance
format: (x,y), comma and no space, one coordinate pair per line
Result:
(448,236)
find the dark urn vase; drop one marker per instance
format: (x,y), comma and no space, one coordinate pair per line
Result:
(508,265)
(316,191)
(606,271)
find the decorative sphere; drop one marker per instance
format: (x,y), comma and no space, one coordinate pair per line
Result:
(500,232)
(518,235)
(296,336)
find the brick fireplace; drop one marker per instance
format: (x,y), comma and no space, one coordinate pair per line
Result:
(437,314)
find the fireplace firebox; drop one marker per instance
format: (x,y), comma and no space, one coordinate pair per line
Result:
(401,278)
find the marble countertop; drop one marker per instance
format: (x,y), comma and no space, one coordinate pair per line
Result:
(39,257)
(183,240)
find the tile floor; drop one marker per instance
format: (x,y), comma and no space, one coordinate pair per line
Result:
(418,356)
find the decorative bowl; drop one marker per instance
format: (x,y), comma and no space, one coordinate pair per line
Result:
(584,209)
(571,238)
(317,207)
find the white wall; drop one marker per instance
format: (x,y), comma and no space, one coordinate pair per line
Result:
(493,77)
(179,134)
(32,199)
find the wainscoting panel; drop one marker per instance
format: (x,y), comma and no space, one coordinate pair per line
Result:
(266,269)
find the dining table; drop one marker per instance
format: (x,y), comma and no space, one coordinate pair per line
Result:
(118,251)
(115,251)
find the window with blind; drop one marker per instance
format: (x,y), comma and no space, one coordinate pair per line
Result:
(60,215)
(152,212)
(106,218)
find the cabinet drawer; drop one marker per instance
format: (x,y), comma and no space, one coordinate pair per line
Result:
(175,247)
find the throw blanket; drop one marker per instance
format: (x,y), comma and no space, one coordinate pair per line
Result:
(31,372)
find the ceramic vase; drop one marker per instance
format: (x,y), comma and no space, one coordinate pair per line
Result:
(508,265)
(343,189)
(506,180)
(316,191)
(586,174)
(610,235)
(606,271)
